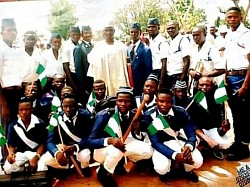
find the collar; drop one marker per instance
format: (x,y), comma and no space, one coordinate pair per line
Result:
(66,118)
(124,114)
(170,113)
(34,120)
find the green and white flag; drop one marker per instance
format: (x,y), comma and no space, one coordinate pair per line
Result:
(159,123)
(91,101)
(53,122)
(201,99)
(42,76)
(55,105)
(3,140)
(220,94)
(113,126)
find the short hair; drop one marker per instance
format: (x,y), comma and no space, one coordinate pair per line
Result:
(55,35)
(165,91)
(99,81)
(25,100)
(70,96)
(235,9)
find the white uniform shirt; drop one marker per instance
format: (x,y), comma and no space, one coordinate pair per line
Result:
(237,47)
(67,54)
(209,57)
(159,48)
(179,48)
(11,65)
(30,64)
(52,65)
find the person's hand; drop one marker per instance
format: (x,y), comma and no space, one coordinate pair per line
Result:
(33,164)
(242,92)
(186,153)
(11,158)
(61,159)
(69,150)
(197,76)
(180,158)
(117,143)
(5,113)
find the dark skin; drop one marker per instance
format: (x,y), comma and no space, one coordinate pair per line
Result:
(99,89)
(123,103)
(164,104)
(25,111)
(69,106)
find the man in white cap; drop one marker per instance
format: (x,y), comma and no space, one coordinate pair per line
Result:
(108,61)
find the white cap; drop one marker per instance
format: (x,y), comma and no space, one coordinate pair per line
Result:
(223,29)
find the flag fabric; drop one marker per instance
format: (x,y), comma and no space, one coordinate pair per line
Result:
(3,140)
(42,76)
(220,94)
(113,126)
(55,105)
(91,101)
(201,99)
(159,123)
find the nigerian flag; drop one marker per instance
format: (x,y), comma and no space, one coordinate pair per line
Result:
(220,94)
(42,76)
(159,123)
(2,136)
(91,101)
(201,99)
(55,104)
(113,126)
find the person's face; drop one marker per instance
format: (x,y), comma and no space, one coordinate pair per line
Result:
(212,31)
(25,111)
(87,35)
(153,29)
(108,33)
(58,83)
(198,36)
(233,19)
(164,102)
(9,33)
(180,93)
(150,87)
(99,89)
(172,29)
(74,36)
(31,91)
(205,84)
(30,40)
(56,43)
(123,102)
(135,34)
(69,107)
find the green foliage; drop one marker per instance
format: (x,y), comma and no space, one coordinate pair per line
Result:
(62,17)
(140,10)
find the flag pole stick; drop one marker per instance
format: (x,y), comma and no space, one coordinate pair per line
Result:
(71,157)
(189,104)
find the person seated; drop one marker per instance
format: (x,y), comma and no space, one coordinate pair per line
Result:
(163,123)
(211,125)
(110,141)
(69,137)
(26,139)
(149,88)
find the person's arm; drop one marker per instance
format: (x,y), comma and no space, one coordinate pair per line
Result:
(243,91)
(5,113)
(186,64)
(68,75)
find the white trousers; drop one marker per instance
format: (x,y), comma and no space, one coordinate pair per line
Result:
(162,164)
(21,159)
(82,156)
(135,150)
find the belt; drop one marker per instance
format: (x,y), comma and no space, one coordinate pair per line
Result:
(13,88)
(237,72)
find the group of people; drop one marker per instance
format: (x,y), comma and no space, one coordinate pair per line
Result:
(113,103)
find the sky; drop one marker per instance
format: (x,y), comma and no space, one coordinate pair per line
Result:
(32,15)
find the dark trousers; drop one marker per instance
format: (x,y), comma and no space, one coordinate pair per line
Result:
(170,80)
(239,108)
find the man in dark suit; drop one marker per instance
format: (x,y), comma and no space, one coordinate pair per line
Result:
(81,64)
(163,124)
(107,138)
(75,126)
(140,58)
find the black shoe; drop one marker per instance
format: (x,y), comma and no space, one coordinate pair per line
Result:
(238,153)
(106,178)
(166,177)
(86,172)
(218,154)
(192,176)
(120,169)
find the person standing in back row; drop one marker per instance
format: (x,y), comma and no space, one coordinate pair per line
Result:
(237,55)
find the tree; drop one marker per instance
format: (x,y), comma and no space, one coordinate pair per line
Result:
(140,10)
(62,17)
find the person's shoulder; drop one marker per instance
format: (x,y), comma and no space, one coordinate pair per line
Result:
(150,111)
